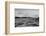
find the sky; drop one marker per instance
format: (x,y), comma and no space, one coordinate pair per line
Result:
(27,12)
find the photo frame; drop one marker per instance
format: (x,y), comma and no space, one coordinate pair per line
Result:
(24,17)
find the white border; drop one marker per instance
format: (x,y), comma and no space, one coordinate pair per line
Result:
(26,29)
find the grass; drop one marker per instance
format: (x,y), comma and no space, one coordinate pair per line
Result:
(26,21)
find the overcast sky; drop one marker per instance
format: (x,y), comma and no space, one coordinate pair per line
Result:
(27,12)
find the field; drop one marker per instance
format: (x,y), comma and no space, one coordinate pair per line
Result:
(26,21)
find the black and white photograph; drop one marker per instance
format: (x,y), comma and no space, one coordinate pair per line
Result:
(23,17)
(26,17)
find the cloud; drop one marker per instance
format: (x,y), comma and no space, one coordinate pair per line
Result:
(27,12)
